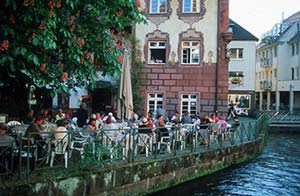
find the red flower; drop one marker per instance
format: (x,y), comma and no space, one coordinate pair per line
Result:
(120,59)
(42,25)
(51,4)
(112,31)
(80,42)
(43,67)
(137,3)
(64,77)
(145,10)
(120,13)
(71,20)
(119,46)
(4,45)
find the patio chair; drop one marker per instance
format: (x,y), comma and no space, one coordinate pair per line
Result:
(60,148)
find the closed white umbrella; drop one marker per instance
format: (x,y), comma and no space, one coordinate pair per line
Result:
(125,94)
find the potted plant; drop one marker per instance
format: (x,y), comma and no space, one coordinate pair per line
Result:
(235,80)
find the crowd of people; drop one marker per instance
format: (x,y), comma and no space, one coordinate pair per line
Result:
(65,122)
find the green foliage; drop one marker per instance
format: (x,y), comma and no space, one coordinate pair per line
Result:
(138,77)
(61,43)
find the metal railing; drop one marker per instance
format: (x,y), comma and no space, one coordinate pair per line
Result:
(83,149)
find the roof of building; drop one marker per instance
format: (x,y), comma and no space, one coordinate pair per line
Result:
(239,33)
(296,38)
(293,18)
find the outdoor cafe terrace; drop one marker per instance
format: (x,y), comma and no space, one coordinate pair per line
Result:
(27,158)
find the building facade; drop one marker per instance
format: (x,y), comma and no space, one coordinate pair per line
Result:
(278,67)
(242,69)
(183,47)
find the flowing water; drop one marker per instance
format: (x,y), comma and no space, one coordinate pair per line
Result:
(276,171)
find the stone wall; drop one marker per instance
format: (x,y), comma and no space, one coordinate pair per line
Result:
(141,177)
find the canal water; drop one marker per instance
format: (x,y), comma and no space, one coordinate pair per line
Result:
(276,171)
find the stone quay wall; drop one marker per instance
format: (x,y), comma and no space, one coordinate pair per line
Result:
(142,177)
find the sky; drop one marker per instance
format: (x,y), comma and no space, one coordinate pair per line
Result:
(259,16)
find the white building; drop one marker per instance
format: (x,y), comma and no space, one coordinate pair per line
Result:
(242,69)
(278,67)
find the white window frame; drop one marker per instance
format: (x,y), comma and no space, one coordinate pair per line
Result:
(192,101)
(193,6)
(157,45)
(235,98)
(158,2)
(156,98)
(237,54)
(190,48)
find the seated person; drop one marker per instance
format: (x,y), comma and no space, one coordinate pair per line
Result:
(61,131)
(6,144)
(35,128)
(163,131)
(145,127)
(204,122)
(34,131)
(236,123)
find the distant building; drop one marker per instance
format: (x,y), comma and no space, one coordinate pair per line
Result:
(184,54)
(278,67)
(242,69)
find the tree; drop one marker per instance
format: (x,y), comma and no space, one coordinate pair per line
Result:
(61,43)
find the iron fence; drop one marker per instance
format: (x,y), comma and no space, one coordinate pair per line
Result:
(84,149)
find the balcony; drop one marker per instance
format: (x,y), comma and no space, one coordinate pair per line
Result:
(266,85)
(266,62)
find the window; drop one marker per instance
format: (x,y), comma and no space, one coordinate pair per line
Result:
(189,104)
(191,6)
(293,50)
(297,48)
(259,75)
(297,72)
(236,78)
(158,6)
(275,73)
(275,51)
(242,101)
(157,52)
(237,53)
(190,52)
(155,101)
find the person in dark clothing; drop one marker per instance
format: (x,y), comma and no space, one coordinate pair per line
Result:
(29,118)
(82,115)
(6,147)
(145,127)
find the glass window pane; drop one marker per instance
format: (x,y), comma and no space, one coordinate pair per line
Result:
(154,6)
(187,6)
(162,7)
(195,43)
(162,44)
(185,43)
(240,53)
(233,53)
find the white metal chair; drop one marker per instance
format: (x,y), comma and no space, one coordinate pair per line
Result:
(60,147)
(144,141)
(14,123)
